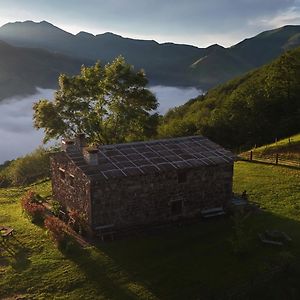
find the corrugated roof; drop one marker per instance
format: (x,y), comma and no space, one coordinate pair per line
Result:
(140,158)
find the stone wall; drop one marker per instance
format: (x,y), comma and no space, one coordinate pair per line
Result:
(160,198)
(69,185)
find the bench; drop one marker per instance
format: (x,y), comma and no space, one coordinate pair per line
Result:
(7,232)
(264,240)
(104,231)
(280,236)
(212,212)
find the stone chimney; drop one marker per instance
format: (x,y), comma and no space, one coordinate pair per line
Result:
(80,141)
(91,156)
(67,145)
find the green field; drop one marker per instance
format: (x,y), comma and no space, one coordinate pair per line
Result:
(288,148)
(189,262)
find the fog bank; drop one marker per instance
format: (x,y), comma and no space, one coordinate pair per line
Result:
(18,137)
(169,97)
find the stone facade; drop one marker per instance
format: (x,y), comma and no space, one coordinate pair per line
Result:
(70,186)
(165,194)
(160,198)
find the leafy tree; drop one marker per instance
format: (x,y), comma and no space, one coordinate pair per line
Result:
(110,104)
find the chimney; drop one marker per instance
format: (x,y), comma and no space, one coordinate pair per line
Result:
(67,145)
(80,141)
(91,156)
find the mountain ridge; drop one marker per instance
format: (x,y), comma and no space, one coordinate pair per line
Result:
(166,63)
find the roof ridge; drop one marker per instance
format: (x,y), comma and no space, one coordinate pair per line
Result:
(153,141)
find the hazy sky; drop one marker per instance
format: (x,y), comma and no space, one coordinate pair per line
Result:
(197,22)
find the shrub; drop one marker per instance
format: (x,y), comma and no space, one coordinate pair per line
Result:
(32,207)
(57,230)
(4,180)
(78,221)
(56,207)
(29,168)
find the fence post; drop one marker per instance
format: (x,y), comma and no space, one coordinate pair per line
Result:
(251,155)
(277,158)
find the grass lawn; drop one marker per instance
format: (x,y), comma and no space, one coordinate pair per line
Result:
(190,262)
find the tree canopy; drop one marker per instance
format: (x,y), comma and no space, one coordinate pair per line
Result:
(109,104)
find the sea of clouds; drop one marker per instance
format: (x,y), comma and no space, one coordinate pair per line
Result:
(18,137)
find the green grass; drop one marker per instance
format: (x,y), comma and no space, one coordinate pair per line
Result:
(190,262)
(288,148)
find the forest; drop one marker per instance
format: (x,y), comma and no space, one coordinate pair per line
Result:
(253,109)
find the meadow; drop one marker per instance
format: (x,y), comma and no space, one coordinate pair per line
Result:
(195,261)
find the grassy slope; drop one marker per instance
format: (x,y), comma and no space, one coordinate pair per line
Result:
(288,148)
(180,263)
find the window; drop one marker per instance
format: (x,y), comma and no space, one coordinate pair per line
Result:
(181,177)
(62,174)
(176,207)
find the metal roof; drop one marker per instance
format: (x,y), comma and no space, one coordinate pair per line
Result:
(131,159)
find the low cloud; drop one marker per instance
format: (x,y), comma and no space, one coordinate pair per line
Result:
(18,137)
(169,97)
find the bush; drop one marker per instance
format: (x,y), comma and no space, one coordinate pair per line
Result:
(4,180)
(78,222)
(32,207)
(56,207)
(28,169)
(57,230)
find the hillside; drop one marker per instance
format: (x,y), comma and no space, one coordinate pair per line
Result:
(24,69)
(253,109)
(176,263)
(288,151)
(165,64)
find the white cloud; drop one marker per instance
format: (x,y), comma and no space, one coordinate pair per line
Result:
(289,16)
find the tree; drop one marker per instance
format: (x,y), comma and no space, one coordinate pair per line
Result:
(110,104)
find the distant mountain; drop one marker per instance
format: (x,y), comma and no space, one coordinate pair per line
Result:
(23,69)
(253,109)
(165,64)
(224,64)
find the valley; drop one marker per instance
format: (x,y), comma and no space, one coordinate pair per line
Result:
(16,127)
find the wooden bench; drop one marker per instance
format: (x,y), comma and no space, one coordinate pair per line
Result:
(212,212)
(264,240)
(7,232)
(104,231)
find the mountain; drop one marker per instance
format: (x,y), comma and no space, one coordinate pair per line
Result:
(23,69)
(253,109)
(165,64)
(224,64)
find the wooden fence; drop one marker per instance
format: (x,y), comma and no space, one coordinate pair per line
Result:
(276,159)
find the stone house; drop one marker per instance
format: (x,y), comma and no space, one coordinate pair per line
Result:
(142,183)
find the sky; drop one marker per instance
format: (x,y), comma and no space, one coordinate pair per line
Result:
(195,22)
